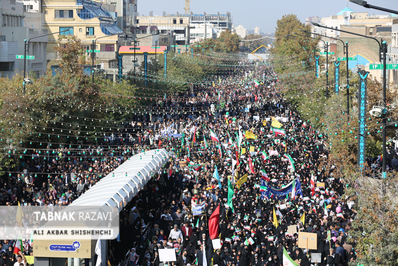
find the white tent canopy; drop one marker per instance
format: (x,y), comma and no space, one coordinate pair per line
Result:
(120,186)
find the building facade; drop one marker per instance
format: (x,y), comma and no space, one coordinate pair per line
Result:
(13,32)
(88,21)
(187,28)
(365,50)
(124,13)
(176,26)
(241,31)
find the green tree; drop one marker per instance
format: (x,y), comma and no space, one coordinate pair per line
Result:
(258,40)
(294,48)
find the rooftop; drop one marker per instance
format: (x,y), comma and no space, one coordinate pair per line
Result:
(347,9)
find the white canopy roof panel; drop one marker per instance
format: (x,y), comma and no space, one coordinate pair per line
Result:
(121,185)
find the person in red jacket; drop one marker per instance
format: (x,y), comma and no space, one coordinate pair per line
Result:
(187,230)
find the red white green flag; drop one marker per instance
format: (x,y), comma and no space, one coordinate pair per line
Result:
(278,131)
(213,136)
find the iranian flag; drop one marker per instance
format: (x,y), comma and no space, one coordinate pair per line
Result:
(251,167)
(264,156)
(278,131)
(206,146)
(229,139)
(256,83)
(325,209)
(312,185)
(18,247)
(197,167)
(219,96)
(249,241)
(264,175)
(287,260)
(213,136)
(291,161)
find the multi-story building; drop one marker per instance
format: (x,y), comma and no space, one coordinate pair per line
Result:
(365,50)
(200,32)
(174,25)
(88,21)
(125,13)
(219,21)
(13,32)
(241,31)
(187,28)
(257,31)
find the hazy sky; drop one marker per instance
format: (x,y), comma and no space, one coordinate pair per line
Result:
(265,13)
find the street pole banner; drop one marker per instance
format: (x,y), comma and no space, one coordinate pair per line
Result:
(362,119)
(336,77)
(146,66)
(317,66)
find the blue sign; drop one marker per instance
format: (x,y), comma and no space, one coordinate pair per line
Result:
(336,76)
(65,248)
(120,66)
(146,66)
(362,119)
(280,193)
(317,66)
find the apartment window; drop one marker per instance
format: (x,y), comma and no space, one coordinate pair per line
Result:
(181,21)
(174,21)
(113,64)
(66,30)
(90,31)
(63,13)
(7,66)
(107,47)
(26,8)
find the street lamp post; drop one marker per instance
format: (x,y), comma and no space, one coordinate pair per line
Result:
(26,47)
(327,68)
(325,46)
(366,5)
(383,59)
(384,53)
(345,51)
(135,47)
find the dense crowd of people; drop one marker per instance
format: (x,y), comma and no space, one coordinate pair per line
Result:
(238,125)
(162,213)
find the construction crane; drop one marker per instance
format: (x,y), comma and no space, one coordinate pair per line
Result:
(261,46)
(187,7)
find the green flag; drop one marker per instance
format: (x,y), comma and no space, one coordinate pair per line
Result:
(197,224)
(230,195)
(182,140)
